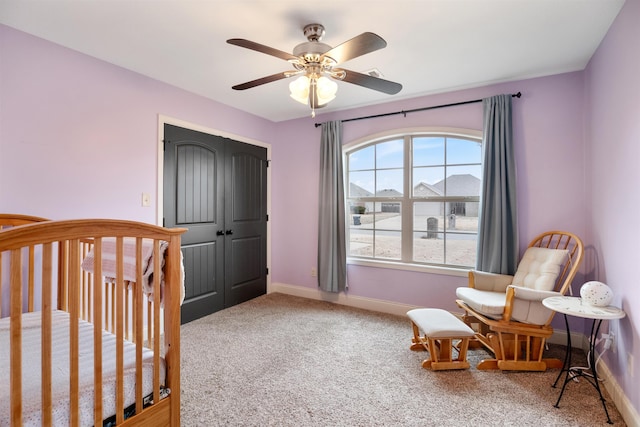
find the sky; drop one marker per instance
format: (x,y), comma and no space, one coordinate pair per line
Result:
(380,166)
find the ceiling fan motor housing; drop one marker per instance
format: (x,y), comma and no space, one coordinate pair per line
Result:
(311,51)
(313,32)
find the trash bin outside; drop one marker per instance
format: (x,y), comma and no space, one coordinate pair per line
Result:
(432,228)
(356,220)
(452,221)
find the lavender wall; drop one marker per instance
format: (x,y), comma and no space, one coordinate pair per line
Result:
(80,136)
(548,132)
(612,176)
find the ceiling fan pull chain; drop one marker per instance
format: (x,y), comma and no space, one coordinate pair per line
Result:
(313,96)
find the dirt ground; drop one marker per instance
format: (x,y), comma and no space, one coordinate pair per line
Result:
(456,247)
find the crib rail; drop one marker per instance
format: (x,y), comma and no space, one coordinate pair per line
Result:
(9,220)
(44,260)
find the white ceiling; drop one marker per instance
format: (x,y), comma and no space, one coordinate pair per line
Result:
(433,45)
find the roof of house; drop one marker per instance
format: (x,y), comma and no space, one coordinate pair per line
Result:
(388,192)
(457,185)
(357,191)
(422,189)
(460,185)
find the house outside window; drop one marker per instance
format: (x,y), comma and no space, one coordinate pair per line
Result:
(414,198)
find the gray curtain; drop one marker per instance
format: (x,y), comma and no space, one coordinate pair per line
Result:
(332,252)
(498,227)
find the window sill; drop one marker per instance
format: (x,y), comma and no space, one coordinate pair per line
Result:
(447,271)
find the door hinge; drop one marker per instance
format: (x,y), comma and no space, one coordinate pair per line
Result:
(163,221)
(267,218)
(267,271)
(267,162)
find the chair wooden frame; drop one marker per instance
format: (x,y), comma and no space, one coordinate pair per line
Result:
(516,345)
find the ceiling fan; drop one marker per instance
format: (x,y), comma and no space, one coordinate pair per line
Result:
(316,65)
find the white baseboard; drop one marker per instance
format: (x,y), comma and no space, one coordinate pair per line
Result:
(577,339)
(620,400)
(372,304)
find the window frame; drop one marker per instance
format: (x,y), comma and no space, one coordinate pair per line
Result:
(407,200)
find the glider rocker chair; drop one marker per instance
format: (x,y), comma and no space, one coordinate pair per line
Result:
(507,311)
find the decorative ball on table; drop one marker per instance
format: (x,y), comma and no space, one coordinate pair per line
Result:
(596,293)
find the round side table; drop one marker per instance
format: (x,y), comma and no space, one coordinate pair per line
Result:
(573,306)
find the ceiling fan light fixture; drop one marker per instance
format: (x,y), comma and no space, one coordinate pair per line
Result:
(300,89)
(327,89)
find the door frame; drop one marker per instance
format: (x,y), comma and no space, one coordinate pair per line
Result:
(162,120)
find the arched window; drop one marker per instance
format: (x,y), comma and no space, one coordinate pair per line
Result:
(414,198)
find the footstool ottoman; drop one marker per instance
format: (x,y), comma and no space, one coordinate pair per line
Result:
(441,329)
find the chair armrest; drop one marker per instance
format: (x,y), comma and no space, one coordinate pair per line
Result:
(532,294)
(492,282)
(525,305)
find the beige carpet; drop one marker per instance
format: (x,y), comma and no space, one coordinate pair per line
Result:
(280,360)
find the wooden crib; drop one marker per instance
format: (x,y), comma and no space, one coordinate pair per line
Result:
(92,331)
(11,220)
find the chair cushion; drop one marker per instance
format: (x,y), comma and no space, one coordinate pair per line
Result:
(527,306)
(539,268)
(490,304)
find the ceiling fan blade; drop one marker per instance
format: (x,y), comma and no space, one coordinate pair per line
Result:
(357,46)
(262,48)
(375,83)
(261,81)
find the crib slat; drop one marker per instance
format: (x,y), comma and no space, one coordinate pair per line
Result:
(127,310)
(47,271)
(15,272)
(149,323)
(156,323)
(97,333)
(63,277)
(30,279)
(74,314)
(112,328)
(86,287)
(119,331)
(139,338)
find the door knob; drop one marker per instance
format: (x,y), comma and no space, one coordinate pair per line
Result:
(229,232)
(219,233)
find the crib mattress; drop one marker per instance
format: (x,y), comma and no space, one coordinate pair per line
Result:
(31,371)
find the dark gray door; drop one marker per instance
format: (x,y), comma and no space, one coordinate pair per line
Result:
(245,222)
(216,187)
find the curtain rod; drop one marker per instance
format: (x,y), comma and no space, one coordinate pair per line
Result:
(515,95)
